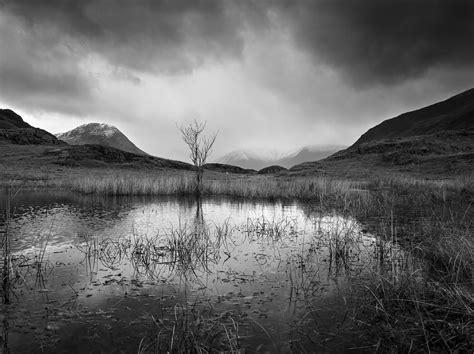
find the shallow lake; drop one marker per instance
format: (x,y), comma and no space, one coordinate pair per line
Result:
(123,274)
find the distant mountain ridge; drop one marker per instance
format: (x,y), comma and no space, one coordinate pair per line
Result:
(257,161)
(100,134)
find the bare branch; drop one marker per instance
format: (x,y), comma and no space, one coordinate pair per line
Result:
(199,145)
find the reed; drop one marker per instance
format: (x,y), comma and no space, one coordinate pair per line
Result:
(323,189)
(184,251)
(424,305)
(190,329)
(6,270)
(397,181)
(410,314)
(133,184)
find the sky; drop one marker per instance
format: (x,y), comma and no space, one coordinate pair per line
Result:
(267,75)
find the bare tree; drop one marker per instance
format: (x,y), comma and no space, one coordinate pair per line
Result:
(199,147)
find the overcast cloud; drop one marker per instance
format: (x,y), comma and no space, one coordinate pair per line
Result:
(266,74)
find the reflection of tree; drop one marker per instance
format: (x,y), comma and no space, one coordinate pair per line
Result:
(5,330)
(198,222)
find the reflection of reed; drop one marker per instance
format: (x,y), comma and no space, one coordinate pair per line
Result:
(184,251)
(6,251)
(271,229)
(190,328)
(5,331)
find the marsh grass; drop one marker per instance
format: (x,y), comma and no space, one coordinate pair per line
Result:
(184,251)
(6,249)
(270,229)
(448,245)
(318,188)
(191,330)
(409,314)
(133,184)
(399,181)
(405,305)
(417,295)
(424,305)
(17,267)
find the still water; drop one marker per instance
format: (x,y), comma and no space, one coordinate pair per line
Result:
(119,274)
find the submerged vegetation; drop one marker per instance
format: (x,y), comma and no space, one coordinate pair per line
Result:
(410,287)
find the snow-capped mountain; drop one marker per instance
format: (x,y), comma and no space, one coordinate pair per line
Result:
(101,134)
(258,160)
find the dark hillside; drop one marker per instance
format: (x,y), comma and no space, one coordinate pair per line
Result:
(455,113)
(272,169)
(14,130)
(11,120)
(225,168)
(105,156)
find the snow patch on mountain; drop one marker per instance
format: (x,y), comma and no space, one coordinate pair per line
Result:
(264,158)
(101,134)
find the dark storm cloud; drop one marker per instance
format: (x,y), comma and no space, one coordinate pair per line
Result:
(158,35)
(38,70)
(368,41)
(383,42)
(46,47)
(77,57)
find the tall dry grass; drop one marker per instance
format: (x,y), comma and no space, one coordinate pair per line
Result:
(315,188)
(414,313)
(6,248)
(133,184)
(427,308)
